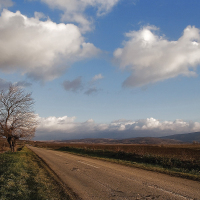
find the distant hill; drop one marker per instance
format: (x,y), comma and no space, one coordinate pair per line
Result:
(139,140)
(186,138)
(148,140)
(172,139)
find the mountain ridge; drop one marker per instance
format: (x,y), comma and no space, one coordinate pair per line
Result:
(171,139)
(186,137)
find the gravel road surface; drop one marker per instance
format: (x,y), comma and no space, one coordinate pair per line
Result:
(93,179)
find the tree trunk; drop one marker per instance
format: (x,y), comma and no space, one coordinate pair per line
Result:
(12,142)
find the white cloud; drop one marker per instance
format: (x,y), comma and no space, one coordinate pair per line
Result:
(6,3)
(74,10)
(97,77)
(39,15)
(152,58)
(66,128)
(60,124)
(40,49)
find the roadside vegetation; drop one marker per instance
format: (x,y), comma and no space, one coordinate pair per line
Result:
(4,146)
(23,176)
(179,160)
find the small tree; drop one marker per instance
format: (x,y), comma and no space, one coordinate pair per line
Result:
(17,119)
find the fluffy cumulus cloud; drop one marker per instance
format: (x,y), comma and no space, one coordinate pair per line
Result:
(67,128)
(167,127)
(152,58)
(40,49)
(73,11)
(56,124)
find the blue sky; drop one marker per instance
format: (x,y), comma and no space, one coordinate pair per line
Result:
(115,68)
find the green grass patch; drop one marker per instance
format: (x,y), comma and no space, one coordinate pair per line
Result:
(187,169)
(22,176)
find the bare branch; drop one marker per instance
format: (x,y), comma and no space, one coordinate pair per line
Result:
(17,119)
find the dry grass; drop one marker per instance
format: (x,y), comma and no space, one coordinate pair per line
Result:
(3,145)
(22,176)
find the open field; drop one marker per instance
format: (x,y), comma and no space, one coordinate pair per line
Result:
(183,159)
(24,176)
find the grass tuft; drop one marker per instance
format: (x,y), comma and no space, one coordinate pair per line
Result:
(23,177)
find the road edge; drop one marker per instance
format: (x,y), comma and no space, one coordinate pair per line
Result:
(66,189)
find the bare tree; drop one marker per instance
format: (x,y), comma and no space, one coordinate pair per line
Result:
(17,119)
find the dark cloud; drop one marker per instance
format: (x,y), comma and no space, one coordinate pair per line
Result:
(74,85)
(91,91)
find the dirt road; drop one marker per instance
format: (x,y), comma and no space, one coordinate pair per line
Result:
(94,179)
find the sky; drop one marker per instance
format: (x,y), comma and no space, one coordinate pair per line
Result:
(104,69)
